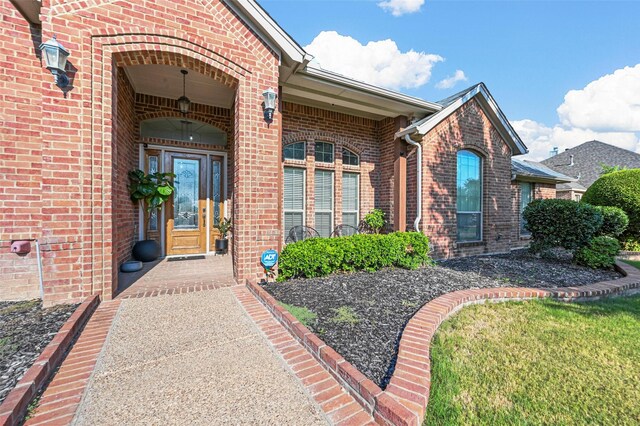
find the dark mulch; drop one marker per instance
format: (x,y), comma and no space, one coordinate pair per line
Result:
(384,301)
(25,330)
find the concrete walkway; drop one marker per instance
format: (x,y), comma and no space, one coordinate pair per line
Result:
(192,359)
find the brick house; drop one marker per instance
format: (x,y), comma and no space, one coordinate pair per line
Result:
(335,148)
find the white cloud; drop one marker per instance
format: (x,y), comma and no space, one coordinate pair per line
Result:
(607,109)
(541,139)
(380,63)
(452,80)
(400,7)
(609,103)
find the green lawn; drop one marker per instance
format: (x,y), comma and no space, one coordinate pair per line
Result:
(538,362)
(635,263)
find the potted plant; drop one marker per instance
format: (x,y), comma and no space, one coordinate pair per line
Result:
(222,243)
(153,190)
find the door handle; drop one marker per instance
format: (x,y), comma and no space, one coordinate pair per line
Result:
(204,215)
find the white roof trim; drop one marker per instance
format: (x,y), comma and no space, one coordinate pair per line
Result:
(271,28)
(490,106)
(343,81)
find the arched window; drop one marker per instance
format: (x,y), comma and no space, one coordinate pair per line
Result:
(469,196)
(350,158)
(295,151)
(179,129)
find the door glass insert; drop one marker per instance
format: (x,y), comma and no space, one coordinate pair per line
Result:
(217,176)
(153,216)
(186,196)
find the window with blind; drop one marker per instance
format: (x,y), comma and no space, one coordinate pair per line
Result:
(324,202)
(293,198)
(526,196)
(350,199)
(469,197)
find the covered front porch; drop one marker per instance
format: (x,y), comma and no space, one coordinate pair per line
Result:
(177,275)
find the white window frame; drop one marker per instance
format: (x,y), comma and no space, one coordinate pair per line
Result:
(481,177)
(333,198)
(357,211)
(304,199)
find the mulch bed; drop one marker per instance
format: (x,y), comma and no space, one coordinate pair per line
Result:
(378,305)
(25,330)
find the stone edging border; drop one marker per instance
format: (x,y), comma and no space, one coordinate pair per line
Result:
(405,399)
(14,407)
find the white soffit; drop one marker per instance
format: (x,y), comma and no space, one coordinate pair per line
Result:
(165,81)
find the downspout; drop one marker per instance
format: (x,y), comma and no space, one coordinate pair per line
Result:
(410,141)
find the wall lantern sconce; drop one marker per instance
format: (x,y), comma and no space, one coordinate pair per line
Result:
(270,97)
(183,102)
(55,58)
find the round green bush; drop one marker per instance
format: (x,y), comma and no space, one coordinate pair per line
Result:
(614,221)
(599,254)
(619,189)
(561,223)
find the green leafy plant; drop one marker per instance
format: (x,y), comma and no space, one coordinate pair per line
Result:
(316,257)
(153,188)
(601,252)
(561,223)
(606,169)
(619,189)
(375,220)
(302,314)
(224,227)
(630,244)
(614,221)
(346,315)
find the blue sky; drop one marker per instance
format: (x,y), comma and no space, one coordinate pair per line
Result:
(529,53)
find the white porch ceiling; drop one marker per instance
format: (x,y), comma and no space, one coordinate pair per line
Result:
(166,81)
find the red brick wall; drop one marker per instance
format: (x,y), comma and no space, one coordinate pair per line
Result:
(69,138)
(20,151)
(125,158)
(467,128)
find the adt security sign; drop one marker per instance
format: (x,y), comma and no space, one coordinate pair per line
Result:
(269,259)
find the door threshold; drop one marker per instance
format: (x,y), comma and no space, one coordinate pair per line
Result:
(176,258)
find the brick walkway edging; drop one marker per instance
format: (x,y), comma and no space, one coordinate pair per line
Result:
(405,399)
(14,407)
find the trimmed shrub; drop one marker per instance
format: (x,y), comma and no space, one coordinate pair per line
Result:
(614,221)
(619,189)
(600,253)
(561,223)
(316,257)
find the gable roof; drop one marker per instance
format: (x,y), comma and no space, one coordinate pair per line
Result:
(588,159)
(488,104)
(532,171)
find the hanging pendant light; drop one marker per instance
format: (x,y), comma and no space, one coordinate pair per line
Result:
(183,102)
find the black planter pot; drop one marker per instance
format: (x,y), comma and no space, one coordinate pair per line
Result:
(146,250)
(222,246)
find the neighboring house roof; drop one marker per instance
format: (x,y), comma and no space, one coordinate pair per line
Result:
(588,159)
(488,104)
(571,186)
(531,171)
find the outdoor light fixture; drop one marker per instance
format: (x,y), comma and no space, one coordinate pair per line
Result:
(269,103)
(183,102)
(55,58)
